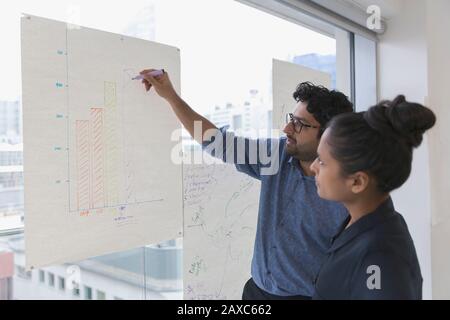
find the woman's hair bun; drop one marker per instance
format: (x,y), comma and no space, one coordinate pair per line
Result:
(406,120)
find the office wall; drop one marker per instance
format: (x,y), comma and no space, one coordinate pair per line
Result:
(402,63)
(413,60)
(438,26)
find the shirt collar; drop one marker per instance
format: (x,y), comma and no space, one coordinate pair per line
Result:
(296,164)
(381,214)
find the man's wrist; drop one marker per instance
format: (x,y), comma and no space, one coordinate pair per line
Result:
(173,99)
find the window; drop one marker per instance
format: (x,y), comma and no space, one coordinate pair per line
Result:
(237,122)
(232,59)
(365,73)
(51,279)
(21,273)
(41,276)
(61,283)
(135,18)
(101,295)
(237,56)
(117,273)
(87,293)
(6,289)
(76,290)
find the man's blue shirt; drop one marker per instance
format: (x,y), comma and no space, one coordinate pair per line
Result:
(295,226)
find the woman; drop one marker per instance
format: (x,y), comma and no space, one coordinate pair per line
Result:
(362,157)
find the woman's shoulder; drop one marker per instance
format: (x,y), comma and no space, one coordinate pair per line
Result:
(390,238)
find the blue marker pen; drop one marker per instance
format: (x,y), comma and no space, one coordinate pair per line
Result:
(153,73)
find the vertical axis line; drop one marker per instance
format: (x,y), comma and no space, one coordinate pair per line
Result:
(67,117)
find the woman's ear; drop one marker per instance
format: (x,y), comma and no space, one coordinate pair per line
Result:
(359,182)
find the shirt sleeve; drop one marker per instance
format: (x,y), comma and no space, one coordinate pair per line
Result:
(250,156)
(385,275)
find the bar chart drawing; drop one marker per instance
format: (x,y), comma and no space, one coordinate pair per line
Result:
(112,145)
(98,175)
(98,167)
(91,158)
(83,165)
(96,155)
(98,158)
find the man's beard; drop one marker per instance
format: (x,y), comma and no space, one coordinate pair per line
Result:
(304,153)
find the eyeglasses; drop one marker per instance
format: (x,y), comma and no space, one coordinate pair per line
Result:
(298,124)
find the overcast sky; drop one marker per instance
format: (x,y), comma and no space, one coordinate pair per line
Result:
(226,47)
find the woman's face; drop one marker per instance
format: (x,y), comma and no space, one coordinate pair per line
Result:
(331,183)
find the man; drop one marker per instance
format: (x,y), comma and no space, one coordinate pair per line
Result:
(295,226)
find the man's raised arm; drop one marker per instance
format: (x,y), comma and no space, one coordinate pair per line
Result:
(183,111)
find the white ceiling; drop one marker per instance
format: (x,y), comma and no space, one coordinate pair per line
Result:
(356,9)
(389,8)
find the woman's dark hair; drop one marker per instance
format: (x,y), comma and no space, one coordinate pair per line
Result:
(381,140)
(322,103)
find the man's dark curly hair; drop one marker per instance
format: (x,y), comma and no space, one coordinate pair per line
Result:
(322,103)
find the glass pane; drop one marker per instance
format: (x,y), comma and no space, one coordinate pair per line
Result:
(114,276)
(365,73)
(227,68)
(235,57)
(226,76)
(101,295)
